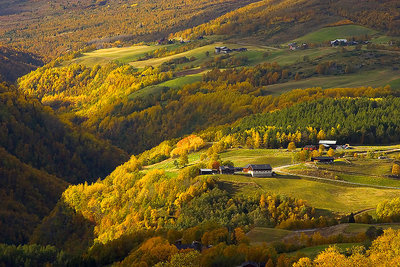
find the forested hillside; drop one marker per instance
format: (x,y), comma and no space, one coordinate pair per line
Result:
(280,21)
(355,121)
(102,99)
(53,28)
(40,155)
(136,206)
(36,136)
(14,63)
(26,196)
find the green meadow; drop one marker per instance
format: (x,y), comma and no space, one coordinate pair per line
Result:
(338,198)
(374,78)
(337,32)
(260,235)
(123,55)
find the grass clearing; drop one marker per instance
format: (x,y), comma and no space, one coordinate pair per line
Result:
(372,78)
(259,235)
(168,164)
(384,39)
(104,56)
(356,170)
(286,57)
(274,157)
(325,196)
(174,83)
(337,32)
(363,179)
(182,81)
(198,52)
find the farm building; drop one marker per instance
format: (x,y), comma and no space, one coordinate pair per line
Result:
(293,46)
(206,171)
(338,42)
(262,170)
(226,50)
(222,50)
(323,159)
(226,170)
(328,143)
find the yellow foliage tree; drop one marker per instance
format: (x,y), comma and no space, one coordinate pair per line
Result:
(396,169)
(385,251)
(331,152)
(291,146)
(321,135)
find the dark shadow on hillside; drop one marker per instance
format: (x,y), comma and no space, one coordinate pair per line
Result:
(282,176)
(230,187)
(65,229)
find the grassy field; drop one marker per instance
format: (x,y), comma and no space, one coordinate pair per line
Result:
(168,164)
(364,179)
(286,57)
(260,235)
(338,32)
(374,148)
(123,54)
(356,170)
(324,196)
(199,53)
(384,39)
(174,83)
(373,78)
(182,81)
(274,157)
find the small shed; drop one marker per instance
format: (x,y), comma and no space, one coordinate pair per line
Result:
(206,171)
(338,42)
(258,170)
(328,143)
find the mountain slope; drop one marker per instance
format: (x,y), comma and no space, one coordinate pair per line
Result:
(276,22)
(26,196)
(33,134)
(14,63)
(51,29)
(39,155)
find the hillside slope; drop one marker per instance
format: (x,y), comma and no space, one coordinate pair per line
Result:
(50,29)
(280,21)
(14,63)
(37,137)
(40,154)
(26,196)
